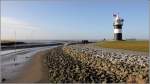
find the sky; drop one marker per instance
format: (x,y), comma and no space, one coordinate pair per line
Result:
(72,19)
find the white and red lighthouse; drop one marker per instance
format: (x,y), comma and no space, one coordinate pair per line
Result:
(117,23)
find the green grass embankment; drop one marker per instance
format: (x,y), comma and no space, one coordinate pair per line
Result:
(142,46)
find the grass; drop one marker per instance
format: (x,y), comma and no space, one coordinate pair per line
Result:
(142,46)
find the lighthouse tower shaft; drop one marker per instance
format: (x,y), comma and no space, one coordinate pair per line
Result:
(117,32)
(118,23)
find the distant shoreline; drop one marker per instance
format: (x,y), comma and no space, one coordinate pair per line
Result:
(21,45)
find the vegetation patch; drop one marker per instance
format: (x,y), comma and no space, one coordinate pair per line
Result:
(142,46)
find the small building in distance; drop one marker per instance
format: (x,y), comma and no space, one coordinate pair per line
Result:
(85,41)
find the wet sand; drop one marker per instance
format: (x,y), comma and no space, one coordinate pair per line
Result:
(34,72)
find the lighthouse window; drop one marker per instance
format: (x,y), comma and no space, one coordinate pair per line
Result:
(118,20)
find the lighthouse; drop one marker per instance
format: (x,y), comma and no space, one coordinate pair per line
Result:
(117,23)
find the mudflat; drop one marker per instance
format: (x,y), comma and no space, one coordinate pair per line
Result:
(34,72)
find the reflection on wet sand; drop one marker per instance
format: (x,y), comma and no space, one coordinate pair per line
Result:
(13,61)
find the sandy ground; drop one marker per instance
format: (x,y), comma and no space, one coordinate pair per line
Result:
(34,72)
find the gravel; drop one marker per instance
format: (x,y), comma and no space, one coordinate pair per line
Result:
(121,62)
(89,64)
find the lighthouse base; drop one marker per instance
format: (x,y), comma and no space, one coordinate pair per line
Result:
(118,36)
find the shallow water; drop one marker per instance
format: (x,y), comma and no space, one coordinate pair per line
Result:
(12,61)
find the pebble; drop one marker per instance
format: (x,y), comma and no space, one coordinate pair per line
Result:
(88,64)
(125,61)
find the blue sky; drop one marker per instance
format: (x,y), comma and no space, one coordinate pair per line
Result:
(72,19)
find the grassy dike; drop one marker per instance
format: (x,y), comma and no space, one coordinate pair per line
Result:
(67,66)
(142,46)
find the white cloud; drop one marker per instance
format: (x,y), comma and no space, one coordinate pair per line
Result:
(10,25)
(12,28)
(8,22)
(23,30)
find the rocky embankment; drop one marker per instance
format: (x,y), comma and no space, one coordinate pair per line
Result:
(86,63)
